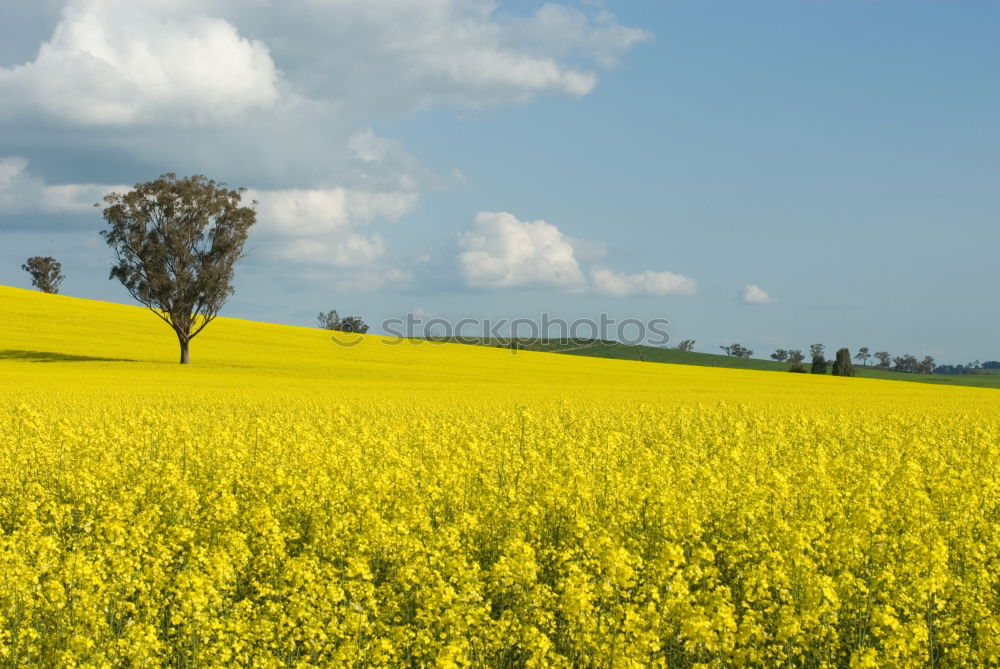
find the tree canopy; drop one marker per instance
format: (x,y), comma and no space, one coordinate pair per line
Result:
(175,243)
(331,320)
(842,365)
(46,273)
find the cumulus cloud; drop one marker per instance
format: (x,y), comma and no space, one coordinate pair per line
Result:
(567,31)
(121,62)
(24,193)
(754,294)
(320,226)
(309,227)
(368,147)
(587,250)
(333,227)
(116,62)
(350,250)
(500,251)
(463,53)
(618,284)
(309,212)
(270,94)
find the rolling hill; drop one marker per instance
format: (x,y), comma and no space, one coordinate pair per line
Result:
(619,351)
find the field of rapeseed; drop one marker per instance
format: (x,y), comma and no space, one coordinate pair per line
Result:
(287,502)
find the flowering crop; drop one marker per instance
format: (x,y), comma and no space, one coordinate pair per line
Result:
(289,502)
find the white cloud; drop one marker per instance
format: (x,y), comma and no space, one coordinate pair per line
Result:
(754,294)
(114,62)
(368,147)
(23,193)
(618,284)
(308,212)
(316,227)
(271,94)
(587,250)
(121,62)
(319,226)
(464,53)
(352,250)
(568,31)
(501,251)
(320,229)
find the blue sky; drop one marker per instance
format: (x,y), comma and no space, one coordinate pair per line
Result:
(466,159)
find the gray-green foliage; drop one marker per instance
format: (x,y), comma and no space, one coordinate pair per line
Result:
(46,273)
(842,365)
(818,365)
(175,243)
(863,354)
(331,320)
(686,345)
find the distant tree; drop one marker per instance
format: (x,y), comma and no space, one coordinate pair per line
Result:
(950,369)
(175,243)
(797,368)
(780,355)
(907,363)
(353,324)
(991,364)
(816,350)
(884,359)
(926,366)
(328,320)
(818,365)
(795,355)
(737,351)
(46,273)
(863,355)
(686,345)
(331,320)
(842,365)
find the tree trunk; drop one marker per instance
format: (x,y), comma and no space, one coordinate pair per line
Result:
(185,353)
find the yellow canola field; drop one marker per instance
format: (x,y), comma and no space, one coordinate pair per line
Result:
(289,502)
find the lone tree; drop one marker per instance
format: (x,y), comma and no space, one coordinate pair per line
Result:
(737,351)
(686,345)
(780,355)
(926,365)
(331,320)
(175,243)
(884,359)
(818,365)
(46,273)
(842,365)
(863,354)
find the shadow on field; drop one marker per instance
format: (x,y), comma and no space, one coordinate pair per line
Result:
(46,356)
